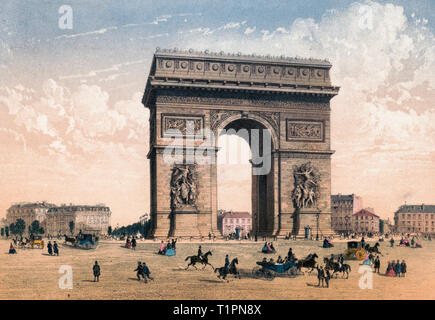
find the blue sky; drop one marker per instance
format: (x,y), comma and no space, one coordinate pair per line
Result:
(73,128)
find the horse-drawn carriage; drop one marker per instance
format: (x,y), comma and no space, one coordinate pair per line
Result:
(83,241)
(36,241)
(270,271)
(354,251)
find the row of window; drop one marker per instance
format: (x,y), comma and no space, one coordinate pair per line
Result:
(416,216)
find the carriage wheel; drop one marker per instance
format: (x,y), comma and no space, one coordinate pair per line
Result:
(292,272)
(269,275)
(257,273)
(360,254)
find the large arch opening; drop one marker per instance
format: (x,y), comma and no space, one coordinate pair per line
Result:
(245,167)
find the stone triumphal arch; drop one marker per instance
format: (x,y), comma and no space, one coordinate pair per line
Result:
(192,96)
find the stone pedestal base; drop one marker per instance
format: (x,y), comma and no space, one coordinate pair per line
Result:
(185,225)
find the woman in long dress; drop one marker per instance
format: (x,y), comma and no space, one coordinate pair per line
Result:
(390,270)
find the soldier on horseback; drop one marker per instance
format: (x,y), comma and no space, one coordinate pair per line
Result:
(199,252)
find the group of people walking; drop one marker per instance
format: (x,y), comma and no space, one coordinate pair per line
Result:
(130,244)
(396,269)
(53,249)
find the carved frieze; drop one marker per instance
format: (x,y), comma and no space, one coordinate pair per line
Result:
(256,102)
(301,130)
(181,125)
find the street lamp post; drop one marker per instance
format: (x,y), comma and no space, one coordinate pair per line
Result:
(317,218)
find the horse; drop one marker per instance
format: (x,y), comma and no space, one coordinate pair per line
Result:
(308,262)
(336,267)
(70,240)
(374,249)
(195,259)
(232,269)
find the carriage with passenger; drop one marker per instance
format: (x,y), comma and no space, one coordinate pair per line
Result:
(36,241)
(354,251)
(269,270)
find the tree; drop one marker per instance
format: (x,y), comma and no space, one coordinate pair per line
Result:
(18,227)
(35,228)
(109,231)
(71,226)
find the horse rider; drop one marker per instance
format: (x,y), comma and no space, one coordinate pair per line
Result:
(341,259)
(290,255)
(227,263)
(199,252)
(139,270)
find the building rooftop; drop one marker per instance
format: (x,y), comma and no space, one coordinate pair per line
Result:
(73,208)
(418,208)
(32,205)
(235,214)
(365,212)
(239,56)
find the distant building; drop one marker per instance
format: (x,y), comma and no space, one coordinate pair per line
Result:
(29,212)
(415,218)
(365,221)
(88,219)
(385,226)
(230,221)
(144,218)
(342,209)
(3,225)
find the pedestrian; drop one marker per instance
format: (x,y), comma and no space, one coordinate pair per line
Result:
(56,249)
(209,236)
(146,273)
(133,243)
(327,277)
(50,248)
(320,276)
(173,243)
(96,270)
(12,249)
(392,242)
(403,267)
(139,270)
(397,268)
(377,264)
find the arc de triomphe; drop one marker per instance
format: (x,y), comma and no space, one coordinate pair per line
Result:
(188,92)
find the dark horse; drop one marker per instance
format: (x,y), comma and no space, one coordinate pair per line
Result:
(309,262)
(68,239)
(374,249)
(232,269)
(195,259)
(336,267)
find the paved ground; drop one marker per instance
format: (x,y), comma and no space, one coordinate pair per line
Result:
(33,274)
